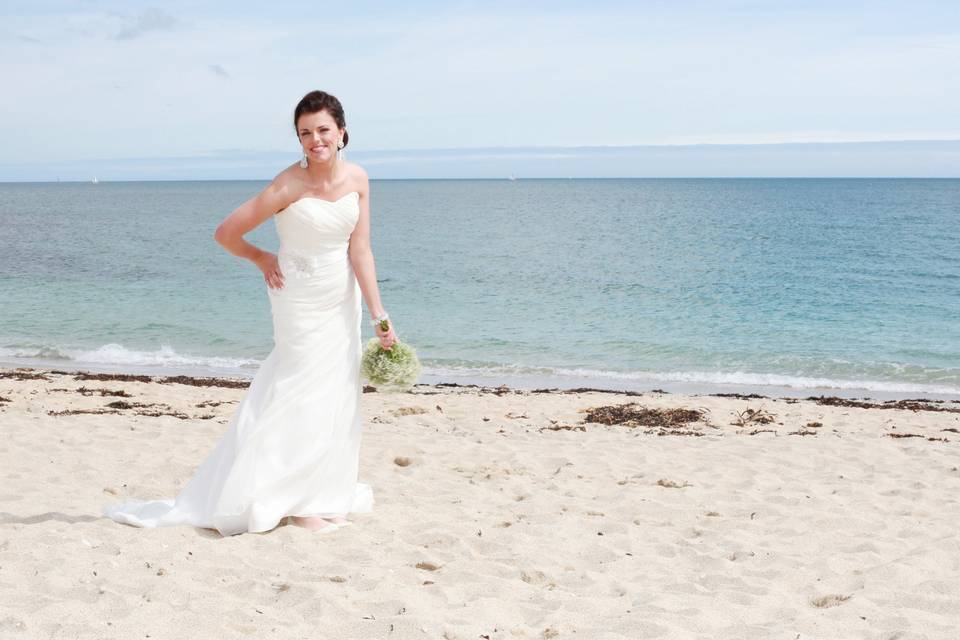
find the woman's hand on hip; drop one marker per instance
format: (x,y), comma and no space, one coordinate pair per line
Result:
(270,267)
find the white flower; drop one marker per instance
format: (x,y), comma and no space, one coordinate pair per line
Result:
(397,368)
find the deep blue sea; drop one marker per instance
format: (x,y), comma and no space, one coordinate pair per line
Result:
(798,285)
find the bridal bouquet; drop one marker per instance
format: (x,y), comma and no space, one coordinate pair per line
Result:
(397,368)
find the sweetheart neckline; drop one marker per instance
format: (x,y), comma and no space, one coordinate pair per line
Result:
(324,199)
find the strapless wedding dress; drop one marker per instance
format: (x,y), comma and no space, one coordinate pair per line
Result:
(293,443)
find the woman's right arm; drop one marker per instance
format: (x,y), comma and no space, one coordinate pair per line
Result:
(249,216)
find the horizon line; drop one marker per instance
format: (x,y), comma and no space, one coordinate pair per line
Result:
(508,179)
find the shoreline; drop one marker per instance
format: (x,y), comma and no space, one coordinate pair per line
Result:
(513,381)
(914,404)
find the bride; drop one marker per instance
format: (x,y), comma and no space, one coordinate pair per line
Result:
(292,446)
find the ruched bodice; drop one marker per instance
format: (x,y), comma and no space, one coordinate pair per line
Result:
(293,444)
(315,232)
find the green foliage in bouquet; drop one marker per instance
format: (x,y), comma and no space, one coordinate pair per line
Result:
(397,368)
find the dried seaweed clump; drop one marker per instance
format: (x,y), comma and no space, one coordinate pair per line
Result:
(751,417)
(635,415)
(84,391)
(116,377)
(916,404)
(74,412)
(23,374)
(226,383)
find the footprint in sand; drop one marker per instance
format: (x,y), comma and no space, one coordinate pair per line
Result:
(832,600)
(534,577)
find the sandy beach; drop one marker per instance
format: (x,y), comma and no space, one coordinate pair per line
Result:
(499,513)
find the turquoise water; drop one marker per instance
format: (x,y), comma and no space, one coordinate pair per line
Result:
(743,283)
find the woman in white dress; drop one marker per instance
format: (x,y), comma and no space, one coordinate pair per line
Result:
(292,447)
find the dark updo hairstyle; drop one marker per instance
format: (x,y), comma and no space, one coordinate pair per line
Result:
(316,101)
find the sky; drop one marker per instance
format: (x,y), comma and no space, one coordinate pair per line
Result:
(92,86)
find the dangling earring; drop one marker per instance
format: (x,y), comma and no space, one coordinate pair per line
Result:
(303,162)
(340,150)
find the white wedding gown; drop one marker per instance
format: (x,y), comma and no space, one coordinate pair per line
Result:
(293,444)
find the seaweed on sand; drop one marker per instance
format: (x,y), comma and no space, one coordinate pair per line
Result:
(635,415)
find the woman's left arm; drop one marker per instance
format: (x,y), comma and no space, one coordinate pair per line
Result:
(361,257)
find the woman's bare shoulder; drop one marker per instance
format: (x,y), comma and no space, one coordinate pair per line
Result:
(286,187)
(358,176)
(289,178)
(290,181)
(355,169)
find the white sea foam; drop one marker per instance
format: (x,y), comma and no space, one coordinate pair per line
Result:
(117,355)
(635,379)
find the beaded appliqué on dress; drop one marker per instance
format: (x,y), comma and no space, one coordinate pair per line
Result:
(297,264)
(301,264)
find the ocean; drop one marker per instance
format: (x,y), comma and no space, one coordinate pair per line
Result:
(793,286)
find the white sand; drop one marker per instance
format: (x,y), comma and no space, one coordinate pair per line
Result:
(534,533)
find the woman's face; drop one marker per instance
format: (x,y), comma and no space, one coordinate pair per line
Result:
(319,136)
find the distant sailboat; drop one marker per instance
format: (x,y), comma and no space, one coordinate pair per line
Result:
(94,181)
(511,177)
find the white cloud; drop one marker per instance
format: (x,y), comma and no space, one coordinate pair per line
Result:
(149,20)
